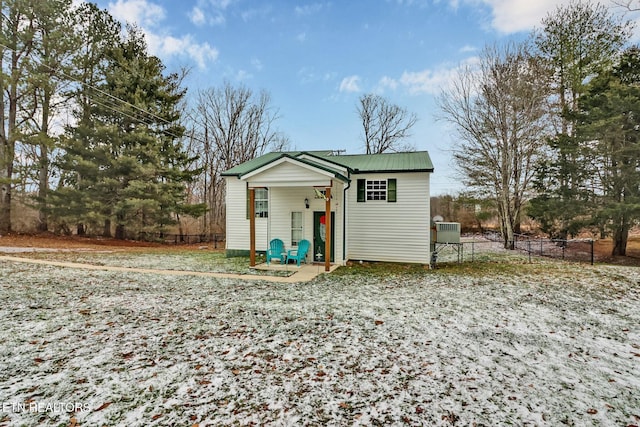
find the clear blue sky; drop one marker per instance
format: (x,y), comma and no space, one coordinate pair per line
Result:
(316,58)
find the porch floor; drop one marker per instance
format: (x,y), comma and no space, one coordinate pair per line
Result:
(304,273)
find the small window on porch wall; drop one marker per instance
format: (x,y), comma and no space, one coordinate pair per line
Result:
(261,202)
(376,189)
(296,228)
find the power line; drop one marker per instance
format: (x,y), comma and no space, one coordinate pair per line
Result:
(114,107)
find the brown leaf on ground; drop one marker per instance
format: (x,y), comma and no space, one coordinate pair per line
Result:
(103,406)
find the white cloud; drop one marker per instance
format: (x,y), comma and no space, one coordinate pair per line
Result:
(149,17)
(243,75)
(467,49)
(510,16)
(142,12)
(387,83)
(169,46)
(350,84)
(202,53)
(433,81)
(197,16)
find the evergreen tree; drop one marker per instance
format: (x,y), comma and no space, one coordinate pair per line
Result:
(609,130)
(124,162)
(55,43)
(73,202)
(577,40)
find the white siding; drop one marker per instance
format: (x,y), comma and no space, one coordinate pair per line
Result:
(287,174)
(386,231)
(237,223)
(286,200)
(282,201)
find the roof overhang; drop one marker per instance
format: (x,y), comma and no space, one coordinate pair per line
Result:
(287,171)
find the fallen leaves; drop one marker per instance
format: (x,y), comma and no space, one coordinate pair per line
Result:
(380,357)
(105,405)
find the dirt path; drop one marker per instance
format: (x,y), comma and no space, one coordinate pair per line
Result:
(304,274)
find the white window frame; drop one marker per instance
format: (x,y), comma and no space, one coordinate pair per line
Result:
(376,189)
(262,202)
(297,231)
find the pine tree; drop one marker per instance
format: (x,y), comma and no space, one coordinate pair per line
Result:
(125,163)
(609,130)
(576,40)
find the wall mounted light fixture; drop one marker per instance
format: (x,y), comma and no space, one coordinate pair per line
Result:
(306,203)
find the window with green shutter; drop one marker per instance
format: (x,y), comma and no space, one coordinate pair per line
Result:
(361,190)
(377,189)
(391,190)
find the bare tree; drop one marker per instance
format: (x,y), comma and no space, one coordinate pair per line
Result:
(628,5)
(232,125)
(385,125)
(500,114)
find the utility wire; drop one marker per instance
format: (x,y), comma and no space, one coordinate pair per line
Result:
(116,100)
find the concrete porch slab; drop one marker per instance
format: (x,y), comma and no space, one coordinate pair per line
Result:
(304,273)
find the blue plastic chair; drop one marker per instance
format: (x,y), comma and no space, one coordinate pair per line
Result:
(276,251)
(299,254)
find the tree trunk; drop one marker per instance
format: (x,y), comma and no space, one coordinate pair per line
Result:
(106,232)
(81,231)
(43,187)
(120,232)
(506,225)
(5,205)
(620,238)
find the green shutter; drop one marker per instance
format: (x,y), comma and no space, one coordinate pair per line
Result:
(361,190)
(391,190)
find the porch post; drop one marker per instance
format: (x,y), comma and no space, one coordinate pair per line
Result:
(252,227)
(328,225)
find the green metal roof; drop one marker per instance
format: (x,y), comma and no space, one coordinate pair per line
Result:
(415,161)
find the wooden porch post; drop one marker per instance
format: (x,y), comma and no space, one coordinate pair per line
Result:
(252,227)
(328,225)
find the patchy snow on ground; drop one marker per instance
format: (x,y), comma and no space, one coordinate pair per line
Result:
(202,261)
(544,344)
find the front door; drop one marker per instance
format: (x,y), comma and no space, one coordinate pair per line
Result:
(319,234)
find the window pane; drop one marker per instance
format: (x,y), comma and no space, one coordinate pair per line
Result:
(262,203)
(377,190)
(296,228)
(296,219)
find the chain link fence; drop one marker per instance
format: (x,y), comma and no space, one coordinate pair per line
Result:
(477,246)
(217,239)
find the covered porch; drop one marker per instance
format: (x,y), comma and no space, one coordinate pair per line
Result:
(292,199)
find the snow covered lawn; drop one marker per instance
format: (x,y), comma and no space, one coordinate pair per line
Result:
(201,260)
(492,344)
